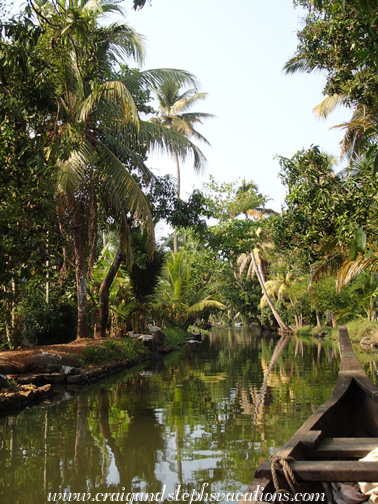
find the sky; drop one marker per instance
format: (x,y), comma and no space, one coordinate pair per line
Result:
(237,49)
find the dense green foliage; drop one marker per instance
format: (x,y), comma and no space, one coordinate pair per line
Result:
(78,205)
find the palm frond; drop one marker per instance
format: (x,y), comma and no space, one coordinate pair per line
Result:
(125,42)
(296,64)
(159,138)
(124,192)
(243,261)
(152,79)
(186,101)
(350,269)
(263,301)
(328,105)
(329,266)
(206,304)
(93,6)
(255,214)
(127,151)
(358,131)
(196,117)
(117,94)
(73,170)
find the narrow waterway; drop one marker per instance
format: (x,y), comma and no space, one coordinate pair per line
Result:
(205,415)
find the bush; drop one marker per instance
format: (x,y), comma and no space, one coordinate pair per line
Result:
(44,323)
(47,324)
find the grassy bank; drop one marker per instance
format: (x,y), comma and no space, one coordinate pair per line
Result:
(121,349)
(357,330)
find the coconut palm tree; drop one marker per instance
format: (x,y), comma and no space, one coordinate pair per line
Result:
(255,263)
(174,295)
(174,113)
(95,134)
(278,286)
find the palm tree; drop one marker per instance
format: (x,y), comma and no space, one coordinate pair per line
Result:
(174,292)
(174,113)
(85,137)
(95,133)
(255,262)
(250,202)
(278,286)
(360,131)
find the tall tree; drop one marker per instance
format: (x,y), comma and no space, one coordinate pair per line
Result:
(94,133)
(340,38)
(174,113)
(254,261)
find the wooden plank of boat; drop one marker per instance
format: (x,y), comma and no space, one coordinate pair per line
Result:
(328,445)
(345,448)
(327,470)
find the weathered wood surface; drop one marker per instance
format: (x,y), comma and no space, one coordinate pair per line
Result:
(327,470)
(345,448)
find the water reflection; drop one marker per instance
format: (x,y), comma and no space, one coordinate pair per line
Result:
(208,414)
(259,401)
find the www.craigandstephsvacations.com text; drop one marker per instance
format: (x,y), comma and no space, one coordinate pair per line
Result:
(187,497)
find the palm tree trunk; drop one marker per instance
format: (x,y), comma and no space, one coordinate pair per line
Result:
(298,318)
(101,327)
(82,304)
(63,268)
(92,229)
(80,240)
(260,278)
(178,187)
(8,331)
(47,290)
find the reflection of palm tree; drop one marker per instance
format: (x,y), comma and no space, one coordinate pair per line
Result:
(103,403)
(264,387)
(80,440)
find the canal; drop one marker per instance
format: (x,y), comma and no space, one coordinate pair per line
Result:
(205,415)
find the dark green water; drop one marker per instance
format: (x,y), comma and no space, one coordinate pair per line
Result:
(207,414)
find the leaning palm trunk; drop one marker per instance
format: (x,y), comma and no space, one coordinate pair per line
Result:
(124,239)
(260,278)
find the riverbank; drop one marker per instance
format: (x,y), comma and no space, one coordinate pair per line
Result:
(30,375)
(360,331)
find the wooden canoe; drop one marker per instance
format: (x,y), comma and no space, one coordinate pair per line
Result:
(328,446)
